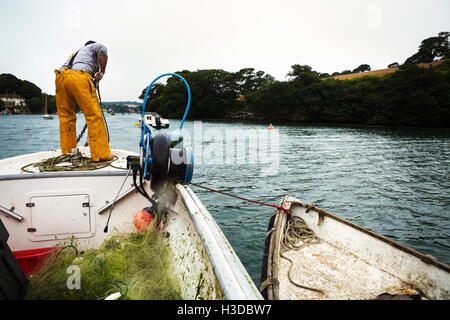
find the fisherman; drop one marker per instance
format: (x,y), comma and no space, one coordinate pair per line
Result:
(74,84)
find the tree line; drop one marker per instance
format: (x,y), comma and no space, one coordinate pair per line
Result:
(430,49)
(412,96)
(33,95)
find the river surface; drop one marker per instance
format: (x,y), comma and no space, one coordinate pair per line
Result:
(395,181)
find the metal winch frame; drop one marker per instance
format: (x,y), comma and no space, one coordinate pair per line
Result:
(162,156)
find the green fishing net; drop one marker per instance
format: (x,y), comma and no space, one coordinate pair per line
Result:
(137,265)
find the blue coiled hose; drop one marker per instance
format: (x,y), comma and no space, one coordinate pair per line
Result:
(188,90)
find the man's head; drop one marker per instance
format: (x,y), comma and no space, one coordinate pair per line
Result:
(89,42)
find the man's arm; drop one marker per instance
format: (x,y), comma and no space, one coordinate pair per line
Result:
(102,60)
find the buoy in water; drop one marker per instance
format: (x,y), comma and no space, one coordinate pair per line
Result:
(142,219)
(271,127)
(137,124)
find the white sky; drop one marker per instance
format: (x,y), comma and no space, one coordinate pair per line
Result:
(148,38)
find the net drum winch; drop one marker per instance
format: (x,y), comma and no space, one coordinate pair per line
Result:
(162,156)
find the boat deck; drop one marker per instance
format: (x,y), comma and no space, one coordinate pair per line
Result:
(13,166)
(339,274)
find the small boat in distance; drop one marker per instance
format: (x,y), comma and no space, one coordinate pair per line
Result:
(311,254)
(271,127)
(156,121)
(46,116)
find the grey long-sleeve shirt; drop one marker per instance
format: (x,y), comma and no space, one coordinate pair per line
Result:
(87,58)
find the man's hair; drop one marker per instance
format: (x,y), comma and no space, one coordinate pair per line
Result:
(89,42)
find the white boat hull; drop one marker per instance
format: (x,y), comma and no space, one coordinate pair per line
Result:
(45,210)
(150,119)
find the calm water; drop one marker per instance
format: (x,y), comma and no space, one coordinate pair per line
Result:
(393,181)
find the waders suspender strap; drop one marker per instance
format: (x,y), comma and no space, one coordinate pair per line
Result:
(71,60)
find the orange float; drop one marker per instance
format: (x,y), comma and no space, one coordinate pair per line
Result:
(142,219)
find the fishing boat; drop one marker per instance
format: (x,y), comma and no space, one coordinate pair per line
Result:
(42,210)
(46,203)
(155,120)
(311,254)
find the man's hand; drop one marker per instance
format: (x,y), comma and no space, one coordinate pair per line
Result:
(99,77)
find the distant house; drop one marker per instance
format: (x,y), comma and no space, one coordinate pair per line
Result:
(12,100)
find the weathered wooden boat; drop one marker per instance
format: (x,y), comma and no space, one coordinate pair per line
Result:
(41,210)
(314,254)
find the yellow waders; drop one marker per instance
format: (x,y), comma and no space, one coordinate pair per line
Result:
(77,86)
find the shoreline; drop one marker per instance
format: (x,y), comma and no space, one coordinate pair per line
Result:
(263,122)
(314,124)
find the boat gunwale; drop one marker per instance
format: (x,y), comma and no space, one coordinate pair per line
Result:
(270,284)
(228,268)
(62,174)
(243,278)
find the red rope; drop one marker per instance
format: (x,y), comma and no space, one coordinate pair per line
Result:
(250,200)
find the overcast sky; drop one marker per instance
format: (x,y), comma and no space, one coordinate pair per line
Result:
(148,38)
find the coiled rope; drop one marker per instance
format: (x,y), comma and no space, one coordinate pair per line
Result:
(69,162)
(297,235)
